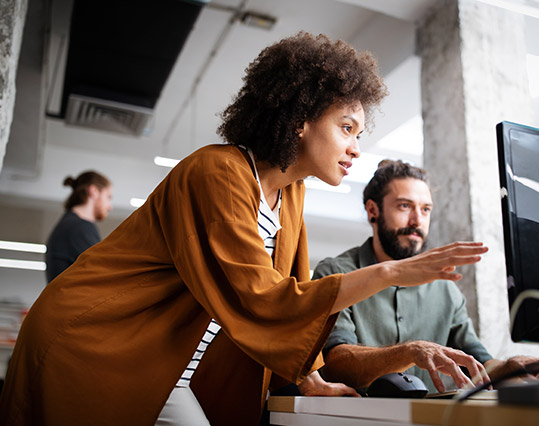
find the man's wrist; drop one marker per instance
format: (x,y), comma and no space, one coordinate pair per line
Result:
(407,351)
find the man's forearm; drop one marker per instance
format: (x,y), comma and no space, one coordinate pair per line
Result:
(358,366)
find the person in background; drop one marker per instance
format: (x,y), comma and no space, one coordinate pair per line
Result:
(109,339)
(89,202)
(421,330)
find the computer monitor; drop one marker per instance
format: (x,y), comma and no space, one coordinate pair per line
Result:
(518,159)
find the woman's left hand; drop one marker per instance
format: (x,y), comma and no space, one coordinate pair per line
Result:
(314,385)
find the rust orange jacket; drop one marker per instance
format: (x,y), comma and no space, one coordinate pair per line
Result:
(107,340)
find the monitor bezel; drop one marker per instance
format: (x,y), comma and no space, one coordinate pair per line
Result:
(520,328)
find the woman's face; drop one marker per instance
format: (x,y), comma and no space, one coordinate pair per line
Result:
(328,144)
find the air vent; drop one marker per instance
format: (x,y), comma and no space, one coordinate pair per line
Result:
(107,115)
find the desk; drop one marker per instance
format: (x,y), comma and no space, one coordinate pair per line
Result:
(344,411)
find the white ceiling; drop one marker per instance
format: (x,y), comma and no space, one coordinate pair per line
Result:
(186,116)
(207,74)
(43,151)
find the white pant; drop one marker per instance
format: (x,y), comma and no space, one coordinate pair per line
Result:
(182,409)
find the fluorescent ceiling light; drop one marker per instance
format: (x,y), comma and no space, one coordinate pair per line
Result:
(137,202)
(322,186)
(526,7)
(165,162)
(26,247)
(23,264)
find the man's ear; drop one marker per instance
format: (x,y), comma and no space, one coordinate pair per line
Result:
(93,191)
(372,210)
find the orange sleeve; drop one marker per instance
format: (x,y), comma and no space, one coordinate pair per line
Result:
(212,233)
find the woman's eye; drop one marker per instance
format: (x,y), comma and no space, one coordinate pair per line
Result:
(347,128)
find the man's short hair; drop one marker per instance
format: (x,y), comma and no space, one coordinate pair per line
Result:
(387,171)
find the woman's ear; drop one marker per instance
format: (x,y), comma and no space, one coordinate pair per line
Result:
(300,130)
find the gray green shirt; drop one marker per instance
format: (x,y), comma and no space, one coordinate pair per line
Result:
(435,312)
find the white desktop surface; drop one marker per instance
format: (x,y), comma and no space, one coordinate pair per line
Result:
(314,411)
(298,419)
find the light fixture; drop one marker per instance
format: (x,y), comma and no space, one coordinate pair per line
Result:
(137,202)
(23,264)
(26,247)
(165,162)
(257,20)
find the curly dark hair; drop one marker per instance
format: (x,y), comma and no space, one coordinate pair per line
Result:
(294,81)
(389,170)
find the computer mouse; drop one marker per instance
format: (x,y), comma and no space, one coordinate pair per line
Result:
(397,385)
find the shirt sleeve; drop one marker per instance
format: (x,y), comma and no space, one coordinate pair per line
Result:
(462,334)
(209,221)
(344,331)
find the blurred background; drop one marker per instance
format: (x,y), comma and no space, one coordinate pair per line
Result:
(121,86)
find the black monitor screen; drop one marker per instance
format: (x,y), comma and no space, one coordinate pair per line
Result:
(518,155)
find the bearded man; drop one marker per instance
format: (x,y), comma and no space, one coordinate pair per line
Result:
(422,330)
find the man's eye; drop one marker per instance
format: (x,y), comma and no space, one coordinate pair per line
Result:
(348,129)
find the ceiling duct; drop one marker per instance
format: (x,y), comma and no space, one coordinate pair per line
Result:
(107,115)
(120,55)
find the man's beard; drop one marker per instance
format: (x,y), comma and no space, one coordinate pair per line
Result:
(391,244)
(99,213)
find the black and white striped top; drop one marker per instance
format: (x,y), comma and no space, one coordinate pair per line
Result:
(268,225)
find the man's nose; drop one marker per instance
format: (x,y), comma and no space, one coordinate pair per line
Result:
(415,219)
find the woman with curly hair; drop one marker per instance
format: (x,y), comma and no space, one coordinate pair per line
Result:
(221,240)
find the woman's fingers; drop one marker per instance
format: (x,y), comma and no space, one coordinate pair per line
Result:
(449,277)
(439,263)
(456,244)
(460,249)
(456,254)
(462,244)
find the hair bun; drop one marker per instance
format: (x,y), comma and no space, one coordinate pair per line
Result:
(69,181)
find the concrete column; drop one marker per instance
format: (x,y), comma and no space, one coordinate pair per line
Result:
(12,17)
(473,76)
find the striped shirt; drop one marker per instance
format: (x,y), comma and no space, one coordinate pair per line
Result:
(268,225)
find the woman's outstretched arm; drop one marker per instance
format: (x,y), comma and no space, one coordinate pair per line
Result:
(436,264)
